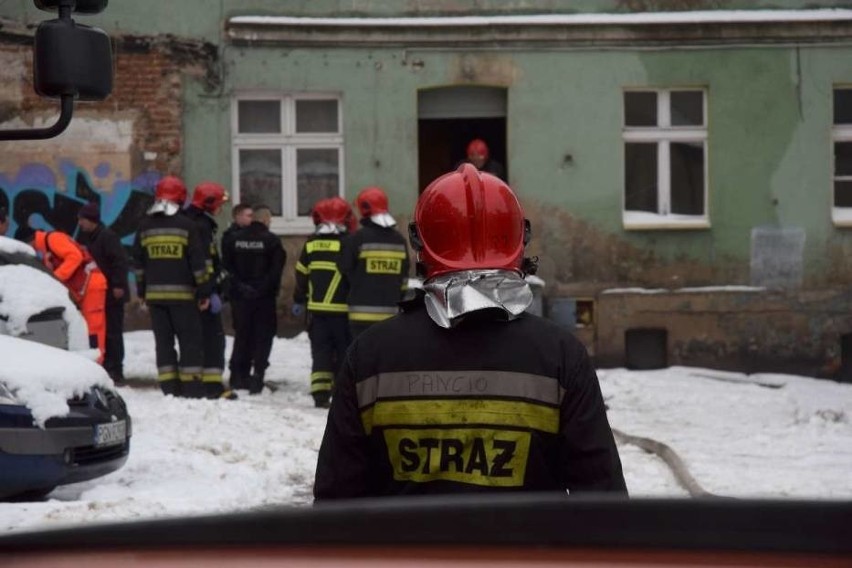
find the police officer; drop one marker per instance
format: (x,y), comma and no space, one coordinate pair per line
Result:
(375,261)
(320,284)
(207,200)
(172,279)
(464,391)
(254,258)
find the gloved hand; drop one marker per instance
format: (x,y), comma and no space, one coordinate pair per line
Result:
(215,304)
(297,310)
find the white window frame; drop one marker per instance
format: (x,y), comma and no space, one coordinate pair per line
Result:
(663,135)
(840,216)
(288,142)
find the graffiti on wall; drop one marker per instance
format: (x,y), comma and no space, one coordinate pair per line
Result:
(39,196)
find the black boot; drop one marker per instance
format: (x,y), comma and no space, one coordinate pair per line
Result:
(322,399)
(237,381)
(255,383)
(193,389)
(171,386)
(218,390)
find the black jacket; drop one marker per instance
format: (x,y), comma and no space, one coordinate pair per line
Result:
(109,254)
(375,261)
(486,406)
(169,260)
(207,228)
(319,282)
(254,260)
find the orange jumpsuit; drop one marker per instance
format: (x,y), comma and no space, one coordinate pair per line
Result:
(72,265)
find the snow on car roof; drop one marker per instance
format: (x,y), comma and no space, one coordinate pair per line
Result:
(43,378)
(25,291)
(11,246)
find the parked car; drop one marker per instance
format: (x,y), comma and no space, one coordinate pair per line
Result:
(60,419)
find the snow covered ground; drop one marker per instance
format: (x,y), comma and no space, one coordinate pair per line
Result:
(756,436)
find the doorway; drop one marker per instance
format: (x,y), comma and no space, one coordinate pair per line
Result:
(449,118)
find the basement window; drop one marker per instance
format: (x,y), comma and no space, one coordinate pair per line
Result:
(841,135)
(665,159)
(287,154)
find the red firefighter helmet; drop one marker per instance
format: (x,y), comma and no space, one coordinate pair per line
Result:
(478,146)
(209,196)
(170,188)
(469,220)
(371,201)
(335,210)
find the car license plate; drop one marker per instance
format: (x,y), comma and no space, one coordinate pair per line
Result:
(109,434)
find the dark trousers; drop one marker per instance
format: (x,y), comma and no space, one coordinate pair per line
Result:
(357,328)
(180,320)
(255,325)
(330,338)
(114,352)
(213,341)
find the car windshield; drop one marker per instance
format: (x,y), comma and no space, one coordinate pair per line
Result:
(587,229)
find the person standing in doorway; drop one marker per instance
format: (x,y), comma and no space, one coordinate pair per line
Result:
(375,262)
(255,259)
(479,155)
(109,254)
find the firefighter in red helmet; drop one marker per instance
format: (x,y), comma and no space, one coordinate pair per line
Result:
(478,154)
(464,391)
(320,285)
(172,279)
(375,261)
(207,200)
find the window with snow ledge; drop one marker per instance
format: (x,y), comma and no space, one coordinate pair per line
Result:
(841,135)
(665,159)
(287,153)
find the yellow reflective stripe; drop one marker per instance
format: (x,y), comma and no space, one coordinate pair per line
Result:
(433,412)
(323,307)
(187,377)
(332,288)
(164,240)
(169,296)
(211,377)
(167,376)
(323,245)
(361,316)
(321,375)
(381,254)
(322,265)
(302,268)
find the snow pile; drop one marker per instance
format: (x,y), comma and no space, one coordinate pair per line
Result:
(12,246)
(25,292)
(43,378)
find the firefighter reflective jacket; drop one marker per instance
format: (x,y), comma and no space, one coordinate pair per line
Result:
(70,263)
(207,227)
(319,282)
(169,260)
(485,406)
(375,261)
(254,259)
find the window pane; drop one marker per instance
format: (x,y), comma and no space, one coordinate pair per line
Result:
(316,116)
(843,158)
(687,191)
(687,108)
(259,117)
(640,177)
(317,176)
(843,194)
(640,109)
(260,178)
(842,106)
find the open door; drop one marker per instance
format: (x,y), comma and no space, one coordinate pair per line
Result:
(449,118)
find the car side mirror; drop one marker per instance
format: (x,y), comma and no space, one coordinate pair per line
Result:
(72,59)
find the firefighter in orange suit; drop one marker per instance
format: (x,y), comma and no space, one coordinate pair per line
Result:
(72,265)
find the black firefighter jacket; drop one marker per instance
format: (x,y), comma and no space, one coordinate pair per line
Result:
(486,406)
(319,281)
(375,261)
(254,260)
(169,260)
(207,227)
